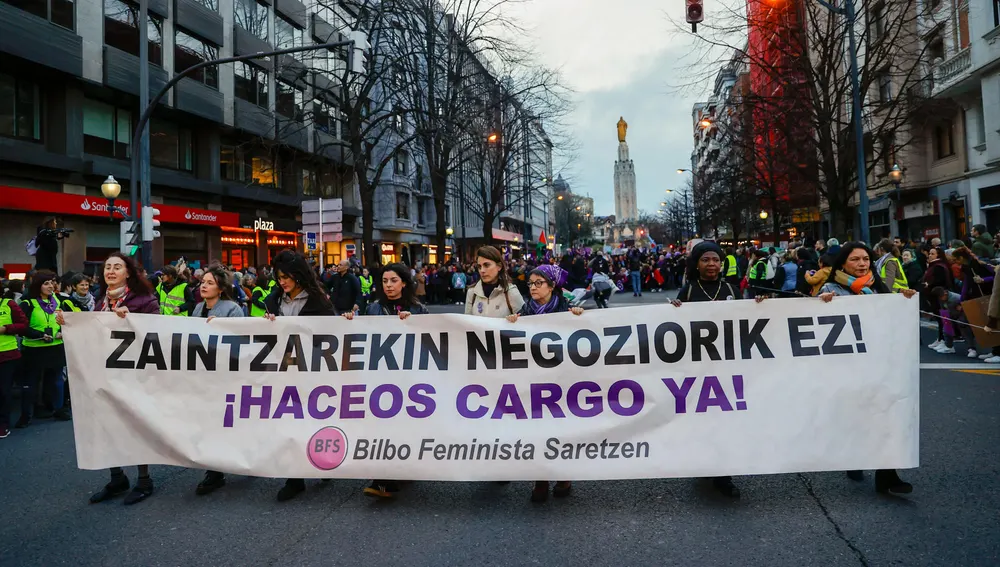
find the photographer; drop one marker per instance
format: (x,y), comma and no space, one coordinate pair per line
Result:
(47,240)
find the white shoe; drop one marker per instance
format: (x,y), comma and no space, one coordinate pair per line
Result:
(945,350)
(985,356)
(993,360)
(973,353)
(935,344)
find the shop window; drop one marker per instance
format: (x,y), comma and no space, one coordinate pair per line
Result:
(288,101)
(107,131)
(286,35)
(251,84)
(59,12)
(403,206)
(188,51)
(251,16)
(20,109)
(121,30)
(943,142)
(170,146)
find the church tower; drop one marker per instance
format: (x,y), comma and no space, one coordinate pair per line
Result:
(626,208)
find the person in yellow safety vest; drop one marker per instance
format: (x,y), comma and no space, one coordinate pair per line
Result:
(42,350)
(12,323)
(66,302)
(890,269)
(258,295)
(731,269)
(175,296)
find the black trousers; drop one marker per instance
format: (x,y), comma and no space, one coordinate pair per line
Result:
(7,370)
(33,378)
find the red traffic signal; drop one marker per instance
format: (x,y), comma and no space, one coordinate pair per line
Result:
(695,13)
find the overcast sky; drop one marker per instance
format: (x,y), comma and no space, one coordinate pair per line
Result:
(622,59)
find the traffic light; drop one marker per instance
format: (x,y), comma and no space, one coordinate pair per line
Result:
(695,13)
(150,224)
(359,57)
(129,240)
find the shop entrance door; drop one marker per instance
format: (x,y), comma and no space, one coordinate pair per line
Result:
(240,258)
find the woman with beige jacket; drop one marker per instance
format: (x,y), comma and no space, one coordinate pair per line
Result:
(494,295)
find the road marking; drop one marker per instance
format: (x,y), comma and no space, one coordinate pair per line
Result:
(959,367)
(993,372)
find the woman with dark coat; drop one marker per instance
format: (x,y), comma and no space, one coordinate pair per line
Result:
(938,274)
(852,275)
(546,297)
(300,295)
(124,291)
(396,296)
(705,283)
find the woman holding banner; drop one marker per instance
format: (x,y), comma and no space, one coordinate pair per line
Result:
(300,295)
(852,275)
(704,282)
(494,295)
(125,291)
(395,297)
(546,297)
(43,355)
(216,301)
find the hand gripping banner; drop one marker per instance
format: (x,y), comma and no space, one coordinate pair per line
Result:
(709,389)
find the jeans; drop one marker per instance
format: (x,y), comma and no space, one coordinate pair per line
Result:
(636,281)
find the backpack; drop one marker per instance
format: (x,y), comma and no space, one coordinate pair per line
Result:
(31,247)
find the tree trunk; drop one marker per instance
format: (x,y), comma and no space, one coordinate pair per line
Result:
(488,227)
(372,254)
(439,188)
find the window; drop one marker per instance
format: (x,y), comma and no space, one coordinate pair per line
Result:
(402,162)
(308,184)
(121,30)
(107,131)
(421,215)
(188,51)
(251,83)
(403,206)
(323,118)
(963,25)
(996,13)
(878,21)
(251,16)
(286,35)
(884,87)
(888,152)
(397,119)
(288,101)
(59,12)
(170,146)
(249,166)
(20,109)
(980,118)
(935,47)
(943,144)
(212,5)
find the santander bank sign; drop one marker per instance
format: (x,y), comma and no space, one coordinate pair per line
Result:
(93,205)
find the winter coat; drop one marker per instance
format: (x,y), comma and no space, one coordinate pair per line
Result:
(135,303)
(817,279)
(375,308)
(314,305)
(983,247)
(496,305)
(223,308)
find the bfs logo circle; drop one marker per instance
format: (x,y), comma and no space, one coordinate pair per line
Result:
(327,448)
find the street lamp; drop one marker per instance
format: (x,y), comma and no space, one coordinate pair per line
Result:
(111,189)
(449,231)
(896,176)
(763,215)
(493,137)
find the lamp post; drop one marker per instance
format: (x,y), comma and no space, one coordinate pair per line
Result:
(896,176)
(111,189)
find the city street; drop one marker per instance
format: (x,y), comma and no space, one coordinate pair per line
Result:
(795,519)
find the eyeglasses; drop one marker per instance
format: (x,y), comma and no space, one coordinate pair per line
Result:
(537,283)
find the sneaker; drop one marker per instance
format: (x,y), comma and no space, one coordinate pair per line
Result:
(973,353)
(143,489)
(4,431)
(117,486)
(985,356)
(959,339)
(993,360)
(945,350)
(293,487)
(382,489)
(213,481)
(935,344)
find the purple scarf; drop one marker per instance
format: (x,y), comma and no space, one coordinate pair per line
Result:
(50,306)
(537,309)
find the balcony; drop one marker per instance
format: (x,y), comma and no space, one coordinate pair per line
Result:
(950,72)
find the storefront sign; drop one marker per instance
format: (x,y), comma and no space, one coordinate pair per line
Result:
(50,202)
(261,224)
(924,209)
(388,248)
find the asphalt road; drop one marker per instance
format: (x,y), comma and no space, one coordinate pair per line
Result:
(823,519)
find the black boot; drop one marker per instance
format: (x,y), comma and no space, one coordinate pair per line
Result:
(725,486)
(62,414)
(143,489)
(540,493)
(887,480)
(562,489)
(118,485)
(857,476)
(292,488)
(213,481)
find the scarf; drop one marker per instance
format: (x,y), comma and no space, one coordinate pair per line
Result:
(85,300)
(113,298)
(49,306)
(535,308)
(859,285)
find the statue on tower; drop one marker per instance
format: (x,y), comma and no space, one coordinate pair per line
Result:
(622,128)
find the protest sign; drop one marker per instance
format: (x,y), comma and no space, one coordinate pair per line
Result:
(705,389)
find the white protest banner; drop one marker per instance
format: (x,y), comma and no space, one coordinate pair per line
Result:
(705,389)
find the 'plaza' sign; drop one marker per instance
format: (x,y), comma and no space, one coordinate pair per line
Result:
(261,224)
